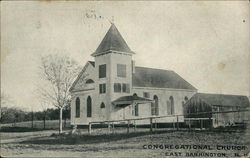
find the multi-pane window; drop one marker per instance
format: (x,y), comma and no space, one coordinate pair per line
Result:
(121,70)
(102,88)
(146,95)
(102,71)
(117,87)
(77,107)
(125,88)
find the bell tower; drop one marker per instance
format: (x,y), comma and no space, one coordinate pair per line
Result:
(113,62)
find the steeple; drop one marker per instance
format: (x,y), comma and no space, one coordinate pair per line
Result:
(112,41)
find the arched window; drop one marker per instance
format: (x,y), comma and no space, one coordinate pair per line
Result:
(152,108)
(77,107)
(135,111)
(89,107)
(183,103)
(171,99)
(102,105)
(156,105)
(89,81)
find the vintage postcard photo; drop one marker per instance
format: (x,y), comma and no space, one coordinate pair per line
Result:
(135,79)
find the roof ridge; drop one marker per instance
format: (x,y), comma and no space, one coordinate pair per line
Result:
(222,94)
(153,68)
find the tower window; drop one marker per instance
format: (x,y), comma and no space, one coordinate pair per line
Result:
(121,70)
(117,87)
(102,88)
(102,71)
(125,88)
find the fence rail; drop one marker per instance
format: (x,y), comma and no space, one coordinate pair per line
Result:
(152,120)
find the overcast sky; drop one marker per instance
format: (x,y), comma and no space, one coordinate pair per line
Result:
(207,43)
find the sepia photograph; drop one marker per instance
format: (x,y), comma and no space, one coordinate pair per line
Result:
(118,79)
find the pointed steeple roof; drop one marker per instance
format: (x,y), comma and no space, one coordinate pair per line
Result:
(112,41)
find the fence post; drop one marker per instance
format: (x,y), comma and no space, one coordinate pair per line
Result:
(174,124)
(201,124)
(177,122)
(113,128)
(108,127)
(89,128)
(151,124)
(128,126)
(189,124)
(134,126)
(155,124)
(210,123)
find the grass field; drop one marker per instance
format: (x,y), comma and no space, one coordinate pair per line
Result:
(135,144)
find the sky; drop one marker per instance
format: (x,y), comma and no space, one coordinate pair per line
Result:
(207,43)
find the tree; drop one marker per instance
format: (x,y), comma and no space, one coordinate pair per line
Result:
(58,73)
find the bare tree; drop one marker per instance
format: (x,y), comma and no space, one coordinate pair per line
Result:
(58,72)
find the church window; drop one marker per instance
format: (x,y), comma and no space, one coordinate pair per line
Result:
(125,88)
(121,70)
(171,99)
(117,87)
(77,107)
(146,95)
(136,109)
(102,105)
(155,106)
(89,81)
(89,106)
(102,71)
(102,88)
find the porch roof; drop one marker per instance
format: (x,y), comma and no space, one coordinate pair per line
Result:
(131,99)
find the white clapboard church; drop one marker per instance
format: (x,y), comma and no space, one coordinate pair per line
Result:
(112,88)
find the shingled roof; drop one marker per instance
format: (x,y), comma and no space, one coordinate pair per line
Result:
(112,41)
(148,77)
(223,99)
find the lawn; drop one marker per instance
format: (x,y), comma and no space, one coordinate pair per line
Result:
(135,144)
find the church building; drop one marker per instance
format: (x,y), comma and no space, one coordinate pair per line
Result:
(112,87)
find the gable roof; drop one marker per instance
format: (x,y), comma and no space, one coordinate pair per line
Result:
(223,99)
(148,77)
(80,74)
(112,41)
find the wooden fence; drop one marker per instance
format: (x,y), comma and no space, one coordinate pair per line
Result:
(153,121)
